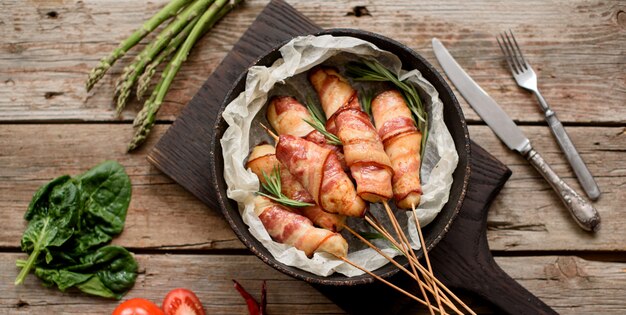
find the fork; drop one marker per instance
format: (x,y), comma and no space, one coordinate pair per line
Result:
(526,78)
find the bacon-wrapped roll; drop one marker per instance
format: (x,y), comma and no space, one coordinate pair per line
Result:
(334,92)
(402,142)
(263,159)
(288,227)
(287,116)
(369,164)
(320,173)
(362,147)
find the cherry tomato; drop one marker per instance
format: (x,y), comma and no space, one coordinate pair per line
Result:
(182,302)
(137,306)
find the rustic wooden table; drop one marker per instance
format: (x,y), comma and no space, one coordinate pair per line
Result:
(50,126)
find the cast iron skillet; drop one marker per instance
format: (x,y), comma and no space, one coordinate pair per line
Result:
(433,233)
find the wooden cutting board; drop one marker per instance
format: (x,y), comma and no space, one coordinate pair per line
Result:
(462,259)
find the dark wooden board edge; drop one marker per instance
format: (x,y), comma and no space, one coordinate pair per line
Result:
(181,160)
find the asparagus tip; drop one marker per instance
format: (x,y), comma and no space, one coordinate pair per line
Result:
(122,98)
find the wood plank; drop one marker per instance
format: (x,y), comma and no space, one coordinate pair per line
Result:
(525,216)
(528,215)
(162,215)
(576,46)
(570,285)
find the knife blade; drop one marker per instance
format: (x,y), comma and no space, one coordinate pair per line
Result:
(503,126)
(481,102)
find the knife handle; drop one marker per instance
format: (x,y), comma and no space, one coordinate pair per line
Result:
(578,165)
(583,212)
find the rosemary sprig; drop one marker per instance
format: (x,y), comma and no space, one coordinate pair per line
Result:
(366,101)
(318,123)
(315,111)
(370,70)
(370,236)
(273,186)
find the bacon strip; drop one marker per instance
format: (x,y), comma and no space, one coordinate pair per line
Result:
(320,173)
(334,92)
(288,227)
(402,142)
(363,149)
(263,159)
(287,116)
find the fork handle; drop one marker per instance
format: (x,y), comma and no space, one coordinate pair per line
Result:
(585,178)
(583,212)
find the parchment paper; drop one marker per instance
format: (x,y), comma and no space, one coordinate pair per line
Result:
(288,76)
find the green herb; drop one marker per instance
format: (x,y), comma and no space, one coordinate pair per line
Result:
(273,186)
(70,219)
(370,236)
(319,123)
(374,71)
(366,102)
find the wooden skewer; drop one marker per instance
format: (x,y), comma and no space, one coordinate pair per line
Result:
(428,276)
(443,286)
(406,249)
(433,278)
(385,281)
(424,271)
(423,243)
(269,132)
(372,246)
(373,221)
(405,241)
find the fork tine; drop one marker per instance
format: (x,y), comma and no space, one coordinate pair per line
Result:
(511,52)
(514,53)
(506,55)
(523,60)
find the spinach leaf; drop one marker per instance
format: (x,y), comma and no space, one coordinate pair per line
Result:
(116,267)
(62,278)
(82,241)
(109,272)
(70,222)
(94,286)
(52,213)
(106,194)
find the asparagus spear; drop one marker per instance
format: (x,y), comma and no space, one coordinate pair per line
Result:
(144,79)
(145,118)
(105,63)
(132,72)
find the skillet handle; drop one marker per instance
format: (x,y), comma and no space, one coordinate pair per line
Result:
(493,284)
(463,259)
(471,267)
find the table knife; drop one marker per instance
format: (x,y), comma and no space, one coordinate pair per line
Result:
(503,126)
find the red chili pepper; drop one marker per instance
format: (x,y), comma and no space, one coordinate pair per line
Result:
(253,305)
(263,298)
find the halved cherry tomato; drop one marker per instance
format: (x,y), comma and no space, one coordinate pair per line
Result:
(137,306)
(182,302)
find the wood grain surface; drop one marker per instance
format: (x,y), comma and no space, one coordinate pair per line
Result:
(569,284)
(50,126)
(527,215)
(577,47)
